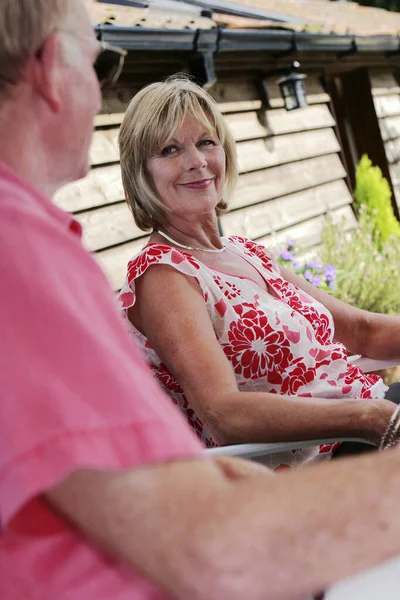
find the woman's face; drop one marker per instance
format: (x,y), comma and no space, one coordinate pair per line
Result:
(188,171)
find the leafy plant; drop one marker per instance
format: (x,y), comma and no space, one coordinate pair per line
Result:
(374,195)
(368,273)
(352,266)
(362,267)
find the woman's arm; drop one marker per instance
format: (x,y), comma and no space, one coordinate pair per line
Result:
(362,332)
(171,312)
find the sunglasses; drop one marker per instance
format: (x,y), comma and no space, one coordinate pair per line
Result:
(108,64)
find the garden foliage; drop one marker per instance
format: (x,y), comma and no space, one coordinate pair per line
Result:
(361,266)
(368,272)
(374,195)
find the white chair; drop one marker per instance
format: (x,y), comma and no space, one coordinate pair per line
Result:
(256,452)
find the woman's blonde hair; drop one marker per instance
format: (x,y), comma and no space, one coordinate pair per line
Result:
(24,26)
(152,117)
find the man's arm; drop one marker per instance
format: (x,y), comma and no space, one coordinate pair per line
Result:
(200,532)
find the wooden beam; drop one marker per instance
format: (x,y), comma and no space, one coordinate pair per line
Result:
(259,154)
(363,128)
(114,261)
(383,82)
(104,148)
(252,125)
(108,226)
(101,186)
(265,218)
(308,234)
(387,106)
(278,181)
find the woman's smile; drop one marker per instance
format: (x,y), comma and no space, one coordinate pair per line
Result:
(201,184)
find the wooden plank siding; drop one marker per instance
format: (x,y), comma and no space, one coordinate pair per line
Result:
(291,175)
(386,93)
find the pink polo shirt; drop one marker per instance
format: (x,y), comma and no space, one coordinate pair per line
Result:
(74,393)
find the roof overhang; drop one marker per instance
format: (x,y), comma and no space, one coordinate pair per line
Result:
(246,40)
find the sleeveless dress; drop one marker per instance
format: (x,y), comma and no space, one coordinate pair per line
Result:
(281,345)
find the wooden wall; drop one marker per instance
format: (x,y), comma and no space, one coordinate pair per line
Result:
(291,171)
(386,93)
(291,175)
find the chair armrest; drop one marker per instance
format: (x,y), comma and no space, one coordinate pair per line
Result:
(257,450)
(372,364)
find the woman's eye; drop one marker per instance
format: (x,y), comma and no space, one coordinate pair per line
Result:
(168,151)
(207,143)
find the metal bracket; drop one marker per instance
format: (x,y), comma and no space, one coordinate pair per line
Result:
(201,63)
(264,95)
(202,69)
(394,52)
(352,50)
(291,50)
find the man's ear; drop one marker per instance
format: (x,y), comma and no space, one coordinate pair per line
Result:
(47,71)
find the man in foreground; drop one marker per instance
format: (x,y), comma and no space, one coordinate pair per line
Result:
(104,492)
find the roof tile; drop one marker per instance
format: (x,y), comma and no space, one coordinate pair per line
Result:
(153,18)
(322,16)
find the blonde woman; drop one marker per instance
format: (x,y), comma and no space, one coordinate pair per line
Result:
(249,351)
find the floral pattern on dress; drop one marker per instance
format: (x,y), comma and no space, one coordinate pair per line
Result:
(153,254)
(254,348)
(280,342)
(229,289)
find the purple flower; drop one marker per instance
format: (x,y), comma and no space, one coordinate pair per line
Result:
(330,273)
(313,264)
(290,243)
(286,255)
(330,269)
(332,285)
(308,275)
(295,264)
(316,280)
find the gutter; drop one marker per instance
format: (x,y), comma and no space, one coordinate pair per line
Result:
(245,40)
(140,38)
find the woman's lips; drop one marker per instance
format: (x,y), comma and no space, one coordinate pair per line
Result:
(198,185)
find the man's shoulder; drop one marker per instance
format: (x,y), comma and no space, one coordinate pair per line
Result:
(37,237)
(19,202)
(14,198)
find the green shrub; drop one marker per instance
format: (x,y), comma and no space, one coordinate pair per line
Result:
(373,192)
(368,273)
(360,267)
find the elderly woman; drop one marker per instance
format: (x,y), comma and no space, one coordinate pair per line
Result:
(249,351)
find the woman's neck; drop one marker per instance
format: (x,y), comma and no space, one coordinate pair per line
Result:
(197,235)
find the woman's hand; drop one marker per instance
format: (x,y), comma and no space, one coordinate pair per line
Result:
(379,415)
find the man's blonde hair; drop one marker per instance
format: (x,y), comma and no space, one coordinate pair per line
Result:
(152,117)
(24,27)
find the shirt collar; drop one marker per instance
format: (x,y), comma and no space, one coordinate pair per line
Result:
(36,197)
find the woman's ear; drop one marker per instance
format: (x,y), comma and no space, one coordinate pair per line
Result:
(47,71)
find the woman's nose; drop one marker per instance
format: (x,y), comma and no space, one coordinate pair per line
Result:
(194,159)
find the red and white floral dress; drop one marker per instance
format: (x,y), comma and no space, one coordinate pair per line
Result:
(282,345)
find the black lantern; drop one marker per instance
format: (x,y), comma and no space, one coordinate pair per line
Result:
(293,89)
